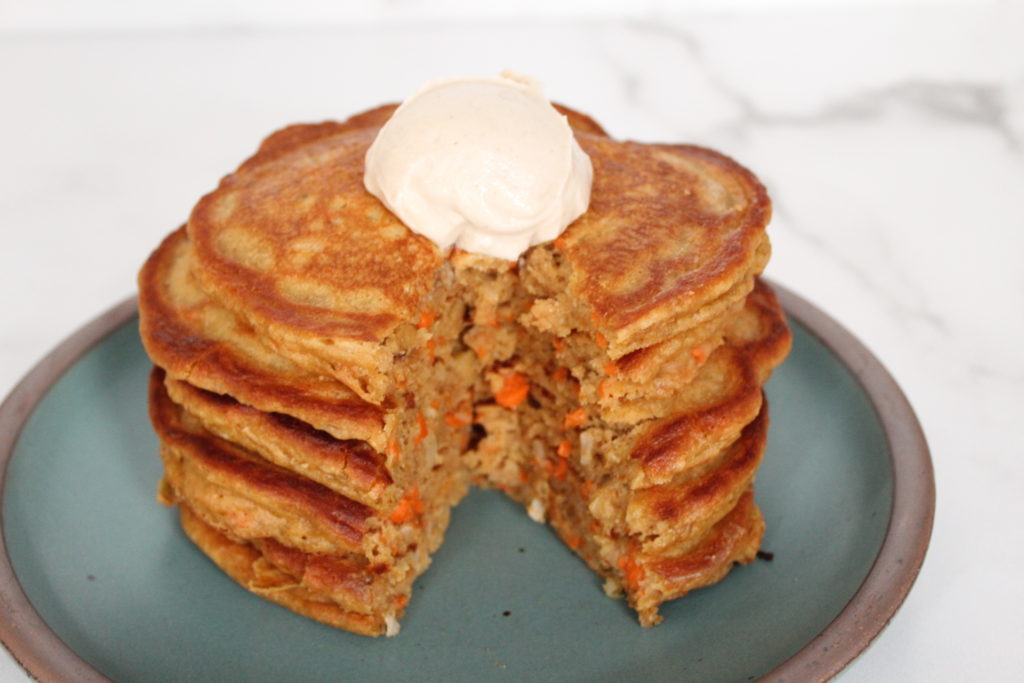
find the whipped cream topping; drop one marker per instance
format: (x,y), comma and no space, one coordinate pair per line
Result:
(485,164)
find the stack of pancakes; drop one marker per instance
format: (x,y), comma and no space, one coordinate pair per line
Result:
(328,382)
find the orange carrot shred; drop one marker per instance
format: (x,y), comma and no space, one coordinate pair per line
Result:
(575,418)
(409,505)
(455,420)
(431,346)
(575,542)
(561,469)
(401,601)
(514,390)
(602,388)
(422,420)
(417,503)
(523,476)
(402,512)
(601,341)
(560,242)
(698,354)
(427,318)
(585,488)
(611,369)
(634,572)
(561,374)
(393,449)
(564,448)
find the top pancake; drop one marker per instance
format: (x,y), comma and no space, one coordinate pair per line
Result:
(294,243)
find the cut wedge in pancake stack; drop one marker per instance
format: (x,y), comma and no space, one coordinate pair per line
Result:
(329,382)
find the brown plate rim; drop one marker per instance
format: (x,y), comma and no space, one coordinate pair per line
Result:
(911,517)
(44,656)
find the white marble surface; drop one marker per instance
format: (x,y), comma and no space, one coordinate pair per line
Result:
(892,142)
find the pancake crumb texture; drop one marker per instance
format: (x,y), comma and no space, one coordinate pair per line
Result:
(327,384)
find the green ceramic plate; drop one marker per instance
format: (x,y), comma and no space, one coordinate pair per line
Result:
(98,581)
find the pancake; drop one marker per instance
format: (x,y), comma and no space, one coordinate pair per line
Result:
(672,238)
(286,537)
(695,424)
(348,466)
(734,539)
(244,563)
(194,339)
(328,382)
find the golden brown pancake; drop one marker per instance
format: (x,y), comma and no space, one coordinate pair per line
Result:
(294,244)
(253,498)
(347,466)
(196,340)
(662,577)
(677,515)
(351,608)
(725,393)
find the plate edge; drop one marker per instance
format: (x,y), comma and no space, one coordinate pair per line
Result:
(911,516)
(29,639)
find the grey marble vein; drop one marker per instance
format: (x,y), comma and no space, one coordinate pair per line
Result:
(902,310)
(975,103)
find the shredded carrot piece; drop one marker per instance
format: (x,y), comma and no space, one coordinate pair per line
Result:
(523,476)
(417,503)
(427,319)
(575,542)
(431,346)
(401,601)
(513,391)
(422,420)
(611,369)
(634,572)
(402,512)
(558,343)
(393,449)
(561,374)
(698,354)
(602,388)
(564,448)
(561,469)
(409,505)
(601,341)
(575,418)
(560,242)
(456,419)
(585,488)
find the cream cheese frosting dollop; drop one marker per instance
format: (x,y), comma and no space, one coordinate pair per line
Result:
(485,164)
